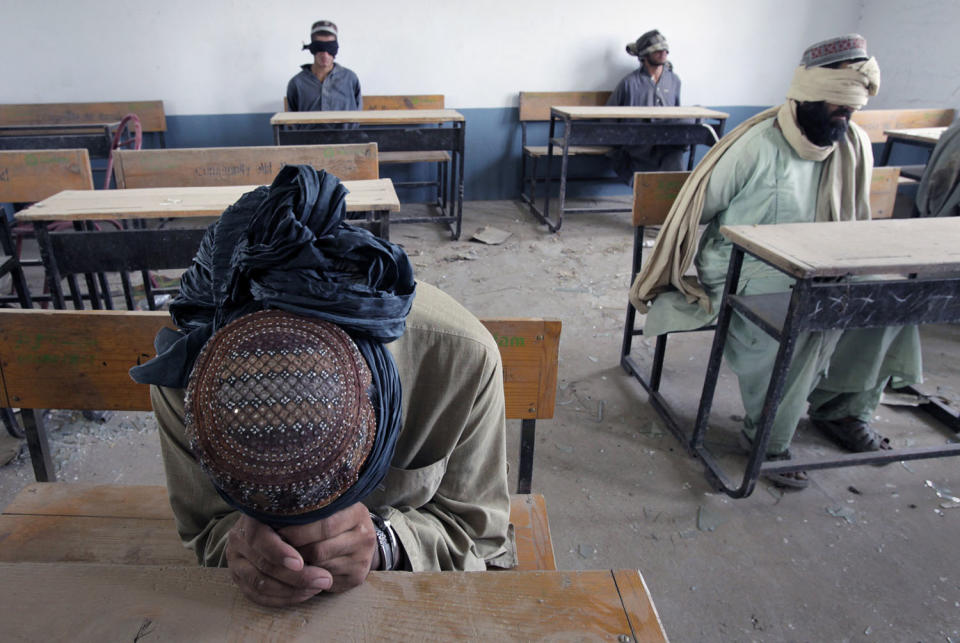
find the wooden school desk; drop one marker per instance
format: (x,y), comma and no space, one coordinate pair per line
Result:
(820,256)
(392,130)
(75,547)
(374,195)
(924,137)
(84,602)
(610,125)
(376,198)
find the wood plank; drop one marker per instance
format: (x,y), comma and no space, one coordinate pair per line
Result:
(150,113)
(425,156)
(208,166)
(144,502)
(927,135)
(134,525)
(529,353)
(202,604)
(875,121)
(576,112)
(92,539)
(654,194)
(883,191)
(528,514)
(369,117)
(188,202)
(72,360)
(412,101)
(573,150)
(889,246)
(535,106)
(643,616)
(29,176)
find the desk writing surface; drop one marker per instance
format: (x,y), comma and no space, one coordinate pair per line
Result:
(927,246)
(151,203)
(370,117)
(919,134)
(78,602)
(579,112)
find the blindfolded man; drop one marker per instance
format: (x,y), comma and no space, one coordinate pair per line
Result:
(801,161)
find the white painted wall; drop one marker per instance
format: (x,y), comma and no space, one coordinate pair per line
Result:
(235,56)
(917,44)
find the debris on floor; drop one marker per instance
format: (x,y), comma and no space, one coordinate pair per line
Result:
(490,235)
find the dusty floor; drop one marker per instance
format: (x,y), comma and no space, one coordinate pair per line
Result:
(864,554)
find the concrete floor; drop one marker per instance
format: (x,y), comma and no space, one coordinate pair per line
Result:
(864,554)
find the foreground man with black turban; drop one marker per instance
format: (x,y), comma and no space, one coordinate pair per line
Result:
(322,414)
(801,161)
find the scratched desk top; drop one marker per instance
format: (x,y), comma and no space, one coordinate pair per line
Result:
(581,112)
(80,602)
(370,117)
(147,203)
(927,246)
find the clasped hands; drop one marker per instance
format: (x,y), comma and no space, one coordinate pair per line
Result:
(289,565)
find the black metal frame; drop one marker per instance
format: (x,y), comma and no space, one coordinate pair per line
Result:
(908,171)
(532,180)
(412,138)
(95,137)
(614,132)
(816,305)
(652,384)
(94,253)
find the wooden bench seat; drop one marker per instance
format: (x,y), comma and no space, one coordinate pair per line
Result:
(876,122)
(575,150)
(534,107)
(255,165)
(73,116)
(427,156)
(62,359)
(134,525)
(441,157)
(28,177)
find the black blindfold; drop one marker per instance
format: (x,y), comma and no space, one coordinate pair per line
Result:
(329,46)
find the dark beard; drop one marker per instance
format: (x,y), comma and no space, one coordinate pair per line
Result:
(820,126)
(650,62)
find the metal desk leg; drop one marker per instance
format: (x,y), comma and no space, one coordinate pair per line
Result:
(527,441)
(545,215)
(564,165)
(885,155)
(276,135)
(43,469)
(50,265)
(771,403)
(461,142)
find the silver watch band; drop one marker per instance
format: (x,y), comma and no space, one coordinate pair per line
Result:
(386,542)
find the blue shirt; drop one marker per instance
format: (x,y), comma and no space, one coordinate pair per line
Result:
(340,90)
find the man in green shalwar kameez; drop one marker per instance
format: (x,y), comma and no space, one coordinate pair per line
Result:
(799,162)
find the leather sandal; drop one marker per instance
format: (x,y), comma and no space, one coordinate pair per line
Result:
(853,434)
(791,480)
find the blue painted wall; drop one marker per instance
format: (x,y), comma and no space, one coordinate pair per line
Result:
(492,158)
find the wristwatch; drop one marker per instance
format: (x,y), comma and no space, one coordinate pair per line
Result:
(386,543)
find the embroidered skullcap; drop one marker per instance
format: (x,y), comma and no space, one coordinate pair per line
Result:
(324,27)
(648,43)
(279,413)
(287,248)
(835,50)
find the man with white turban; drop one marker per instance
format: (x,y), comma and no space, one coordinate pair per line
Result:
(800,161)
